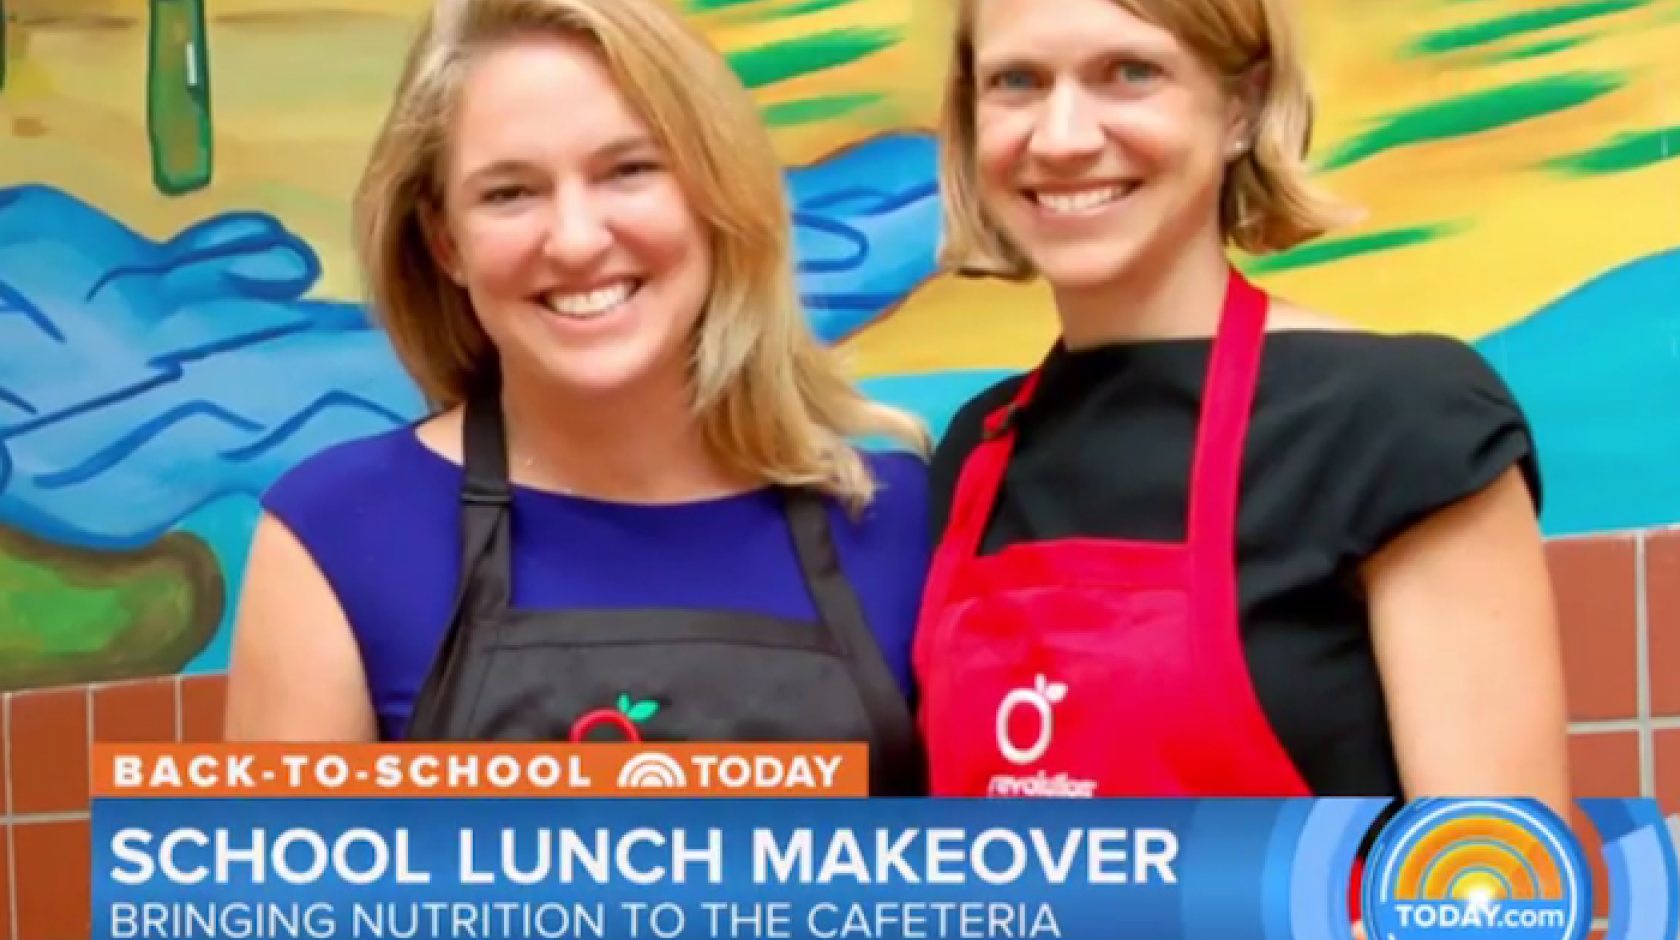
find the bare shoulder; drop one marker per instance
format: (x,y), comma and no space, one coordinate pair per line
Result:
(294,669)
(1286,316)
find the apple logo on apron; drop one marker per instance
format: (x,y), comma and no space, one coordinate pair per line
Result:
(625,718)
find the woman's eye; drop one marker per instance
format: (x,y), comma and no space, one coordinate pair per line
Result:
(502,194)
(1012,80)
(635,168)
(1136,72)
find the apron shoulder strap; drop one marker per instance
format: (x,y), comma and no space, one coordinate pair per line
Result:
(486,502)
(485,582)
(972,500)
(1227,402)
(896,764)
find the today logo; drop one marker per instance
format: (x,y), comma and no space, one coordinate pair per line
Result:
(710,773)
(1489,869)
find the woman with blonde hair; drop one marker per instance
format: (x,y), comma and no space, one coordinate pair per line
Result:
(638,511)
(1215,544)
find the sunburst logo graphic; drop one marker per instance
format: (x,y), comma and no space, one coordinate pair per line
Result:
(1477,868)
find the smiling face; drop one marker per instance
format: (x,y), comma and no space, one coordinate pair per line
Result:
(1100,139)
(566,226)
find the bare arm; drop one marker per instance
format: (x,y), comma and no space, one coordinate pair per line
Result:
(1467,642)
(294,673)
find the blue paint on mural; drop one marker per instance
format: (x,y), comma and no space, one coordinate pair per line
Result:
(146,386)
(1599,374)
(141,382)
(866,225)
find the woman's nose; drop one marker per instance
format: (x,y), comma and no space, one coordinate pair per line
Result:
(1067,127)
(579,234)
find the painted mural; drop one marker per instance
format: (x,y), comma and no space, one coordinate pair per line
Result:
(178,315)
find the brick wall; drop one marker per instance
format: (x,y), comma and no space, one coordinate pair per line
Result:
(44,876)
(1619,599)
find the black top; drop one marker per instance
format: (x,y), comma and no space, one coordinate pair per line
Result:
(1354,437)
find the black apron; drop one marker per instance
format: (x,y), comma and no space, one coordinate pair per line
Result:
(505,674)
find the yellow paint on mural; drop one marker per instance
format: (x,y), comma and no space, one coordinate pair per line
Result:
(1532,235)
(909,73)
(299,86)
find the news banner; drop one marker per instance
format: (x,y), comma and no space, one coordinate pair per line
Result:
(778,842)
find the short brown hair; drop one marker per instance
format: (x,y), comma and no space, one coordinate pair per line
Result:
(1268,202)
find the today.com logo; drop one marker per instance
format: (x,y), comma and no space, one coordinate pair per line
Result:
(1040,699)
(1483,869)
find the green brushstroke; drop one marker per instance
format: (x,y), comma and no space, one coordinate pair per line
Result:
(3,16)
(812,110)
(1537,50)
(1336,249)
(1476,113)
(811,6)
(1630,151)
(774,13)
(178,97)
(79,615)
(779,61)
(1517,24)
(761,12)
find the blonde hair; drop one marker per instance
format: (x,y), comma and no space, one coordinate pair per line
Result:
(1268,201)
(771,401)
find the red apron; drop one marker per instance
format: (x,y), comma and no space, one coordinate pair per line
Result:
(1096,668)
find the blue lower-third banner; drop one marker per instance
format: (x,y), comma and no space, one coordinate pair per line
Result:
(421,869)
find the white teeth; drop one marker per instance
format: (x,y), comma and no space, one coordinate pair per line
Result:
(591,303)
(1082,201)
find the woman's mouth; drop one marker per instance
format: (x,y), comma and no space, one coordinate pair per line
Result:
(593,303)
(1074,202)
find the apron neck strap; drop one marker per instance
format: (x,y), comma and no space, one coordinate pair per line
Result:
(1228,396)
(484,583)
(486,501)
(895,767)
(983,472)
(1227,401)
(484,457)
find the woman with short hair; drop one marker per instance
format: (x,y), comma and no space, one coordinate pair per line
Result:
(1215,544)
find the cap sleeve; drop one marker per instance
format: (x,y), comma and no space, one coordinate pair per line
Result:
(1438,425)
